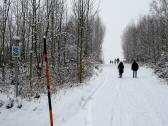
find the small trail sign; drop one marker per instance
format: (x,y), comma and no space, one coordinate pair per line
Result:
(15,51)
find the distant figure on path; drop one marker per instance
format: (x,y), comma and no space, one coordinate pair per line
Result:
(135,68)
(115,60)
(121,69)
(118,60)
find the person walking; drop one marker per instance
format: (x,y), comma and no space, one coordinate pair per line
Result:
(121,69)
(135,68)
(115,60)
(118,60)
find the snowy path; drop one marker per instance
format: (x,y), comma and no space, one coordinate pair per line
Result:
(127,101)
(106,101)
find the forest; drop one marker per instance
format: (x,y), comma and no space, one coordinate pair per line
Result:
(147,40)
(74,35)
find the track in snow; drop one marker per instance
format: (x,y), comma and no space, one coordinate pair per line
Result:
(128,101)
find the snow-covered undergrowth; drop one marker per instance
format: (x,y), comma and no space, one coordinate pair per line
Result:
(161,68)
(29,88)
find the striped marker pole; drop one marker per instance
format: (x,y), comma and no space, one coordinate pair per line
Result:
(48,81)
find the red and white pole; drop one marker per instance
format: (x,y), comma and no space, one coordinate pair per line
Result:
(48,81)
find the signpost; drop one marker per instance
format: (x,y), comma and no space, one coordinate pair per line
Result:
(15,56)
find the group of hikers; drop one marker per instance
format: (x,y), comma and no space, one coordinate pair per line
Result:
(116,61)
(134,68)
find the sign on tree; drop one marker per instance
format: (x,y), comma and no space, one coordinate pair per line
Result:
(15,51)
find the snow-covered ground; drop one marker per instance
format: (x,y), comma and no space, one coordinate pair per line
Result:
(105,101)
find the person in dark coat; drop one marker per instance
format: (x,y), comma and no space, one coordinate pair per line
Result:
(118,60)
(135,68)
(121,69)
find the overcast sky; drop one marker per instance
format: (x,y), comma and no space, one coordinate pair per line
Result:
(116,15)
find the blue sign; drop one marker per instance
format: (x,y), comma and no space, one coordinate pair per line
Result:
(15,51)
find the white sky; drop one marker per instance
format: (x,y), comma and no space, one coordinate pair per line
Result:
(116,15)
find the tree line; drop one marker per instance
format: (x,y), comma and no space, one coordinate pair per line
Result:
(74,41)
(147,40)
